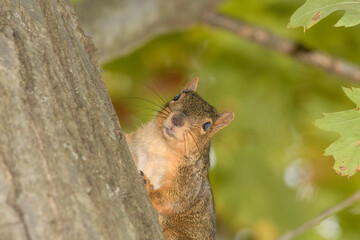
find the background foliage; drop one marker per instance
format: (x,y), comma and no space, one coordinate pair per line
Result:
(270,174)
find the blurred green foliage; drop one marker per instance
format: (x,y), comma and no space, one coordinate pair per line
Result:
(270,175)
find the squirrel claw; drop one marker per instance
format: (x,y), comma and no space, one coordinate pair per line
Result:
(146,181)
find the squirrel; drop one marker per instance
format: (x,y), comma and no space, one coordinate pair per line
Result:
(172,154)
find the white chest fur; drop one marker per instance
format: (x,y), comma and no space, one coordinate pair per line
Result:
(152,155)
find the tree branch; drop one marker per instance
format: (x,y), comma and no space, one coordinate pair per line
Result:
(117,30)
(330,211)
(285,46)
(117,27)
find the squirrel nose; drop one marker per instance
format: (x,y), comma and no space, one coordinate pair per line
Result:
(178,119)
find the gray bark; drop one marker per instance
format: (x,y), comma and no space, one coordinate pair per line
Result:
(117,27)
(65,168)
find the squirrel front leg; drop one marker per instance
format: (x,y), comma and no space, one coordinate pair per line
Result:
(160,198)
(174,196)
(163,199)
(156,196)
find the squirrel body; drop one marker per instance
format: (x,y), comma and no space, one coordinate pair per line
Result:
(172,152)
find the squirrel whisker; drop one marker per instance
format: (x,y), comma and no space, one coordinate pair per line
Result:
(184,137)
(157,94)
(161,113)
(148,101)
(152,115)
(167,109)
(196,143)
(186,143)
(155,110)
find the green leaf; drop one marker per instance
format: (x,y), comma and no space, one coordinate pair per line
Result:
(346,150)
(314,11)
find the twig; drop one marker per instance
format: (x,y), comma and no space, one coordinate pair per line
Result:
(288,47)
(330,211)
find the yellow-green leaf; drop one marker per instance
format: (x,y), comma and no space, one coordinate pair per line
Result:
(345,150)
(314,11)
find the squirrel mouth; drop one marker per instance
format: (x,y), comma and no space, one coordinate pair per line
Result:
(169,132)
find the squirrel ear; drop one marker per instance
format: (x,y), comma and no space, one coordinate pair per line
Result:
(223,120)
(192,85)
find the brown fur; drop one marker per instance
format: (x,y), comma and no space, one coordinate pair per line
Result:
(174,157)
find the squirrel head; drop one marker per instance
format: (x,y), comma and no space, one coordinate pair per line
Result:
(188,122)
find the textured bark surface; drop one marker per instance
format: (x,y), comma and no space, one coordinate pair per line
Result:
(119,26)
(65,169)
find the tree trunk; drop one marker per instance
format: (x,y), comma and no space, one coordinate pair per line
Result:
(65,168)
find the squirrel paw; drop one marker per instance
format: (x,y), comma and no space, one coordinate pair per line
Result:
(148,185)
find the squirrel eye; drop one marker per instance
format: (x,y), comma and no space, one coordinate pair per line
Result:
(176,97)
(206,126)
